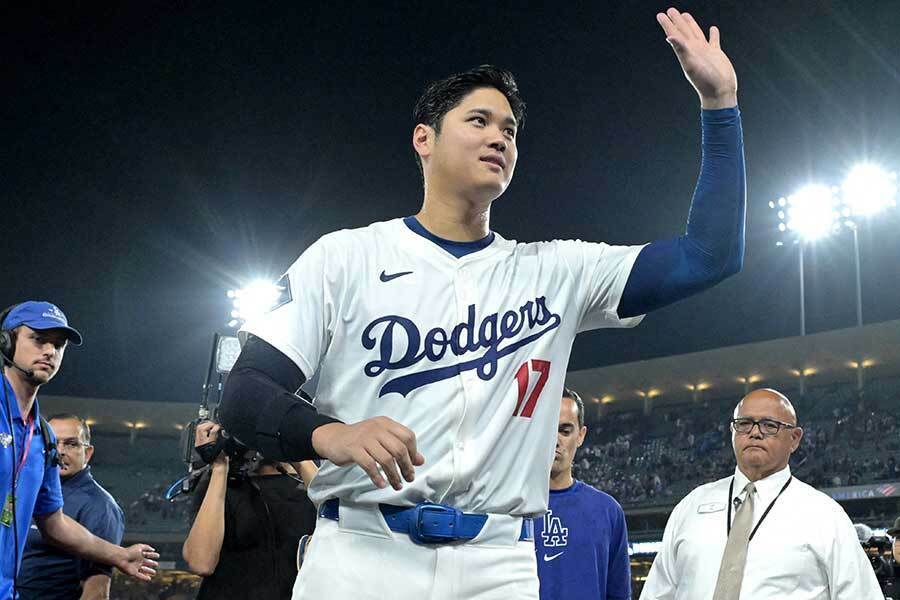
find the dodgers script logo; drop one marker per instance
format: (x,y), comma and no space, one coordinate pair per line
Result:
(465,338)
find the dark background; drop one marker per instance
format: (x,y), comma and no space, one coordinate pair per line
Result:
(157,154)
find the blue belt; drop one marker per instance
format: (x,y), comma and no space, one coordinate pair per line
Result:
(428,523)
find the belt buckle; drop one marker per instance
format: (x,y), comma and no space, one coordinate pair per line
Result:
(441,516)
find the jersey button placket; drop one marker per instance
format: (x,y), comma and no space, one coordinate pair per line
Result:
(463,300)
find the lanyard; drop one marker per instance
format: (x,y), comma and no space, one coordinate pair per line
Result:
(764,515)
(25,450)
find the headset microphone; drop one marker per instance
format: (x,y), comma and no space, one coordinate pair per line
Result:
(13,364)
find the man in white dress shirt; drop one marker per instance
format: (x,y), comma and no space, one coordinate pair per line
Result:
(801,544)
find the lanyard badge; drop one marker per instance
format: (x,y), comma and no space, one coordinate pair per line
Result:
(7,514)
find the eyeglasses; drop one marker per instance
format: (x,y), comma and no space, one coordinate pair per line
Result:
(767,427)
(70,444)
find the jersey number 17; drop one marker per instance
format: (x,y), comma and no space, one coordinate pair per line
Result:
(525,408)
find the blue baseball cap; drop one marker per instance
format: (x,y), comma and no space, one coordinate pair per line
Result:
(40,315)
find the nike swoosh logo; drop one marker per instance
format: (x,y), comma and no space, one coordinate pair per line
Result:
(385,277)
(548,558)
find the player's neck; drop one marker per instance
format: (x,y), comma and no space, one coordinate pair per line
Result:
(454,218)
(24,390)
(562,480)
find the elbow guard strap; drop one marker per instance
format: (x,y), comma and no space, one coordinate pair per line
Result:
(266,417)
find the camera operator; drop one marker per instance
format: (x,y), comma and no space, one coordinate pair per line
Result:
(244,538)
(878,549)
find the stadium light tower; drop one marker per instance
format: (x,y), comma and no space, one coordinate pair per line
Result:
(867,191)
(811,213)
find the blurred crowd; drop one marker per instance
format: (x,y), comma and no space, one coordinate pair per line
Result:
(851,437)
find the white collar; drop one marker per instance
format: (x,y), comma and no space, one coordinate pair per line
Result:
(767,488)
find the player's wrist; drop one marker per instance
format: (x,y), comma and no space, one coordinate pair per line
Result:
(323,436)
(725,99)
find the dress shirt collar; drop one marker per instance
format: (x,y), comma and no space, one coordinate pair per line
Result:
(767,488)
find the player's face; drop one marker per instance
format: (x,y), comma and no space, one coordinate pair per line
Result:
(41,351)
(73,454)
(475,153)
(569,436)
(764,454)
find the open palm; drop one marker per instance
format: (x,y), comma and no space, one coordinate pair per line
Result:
(704,64)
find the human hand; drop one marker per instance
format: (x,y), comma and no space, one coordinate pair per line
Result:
(206,433)
(703,62)
(138,562)
(375,443)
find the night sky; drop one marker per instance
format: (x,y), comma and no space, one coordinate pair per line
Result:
(156,155)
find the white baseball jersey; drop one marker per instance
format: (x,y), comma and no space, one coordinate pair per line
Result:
(469,353)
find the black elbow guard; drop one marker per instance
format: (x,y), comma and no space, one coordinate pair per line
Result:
(263,416)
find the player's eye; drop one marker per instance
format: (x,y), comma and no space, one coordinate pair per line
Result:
(510,132)
(480,120)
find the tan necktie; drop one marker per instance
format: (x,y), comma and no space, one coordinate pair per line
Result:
(731,571)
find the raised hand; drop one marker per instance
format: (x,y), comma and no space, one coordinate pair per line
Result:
(703,62)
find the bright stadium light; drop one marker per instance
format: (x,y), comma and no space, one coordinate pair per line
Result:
(252,301)
(812,212)
(869,189)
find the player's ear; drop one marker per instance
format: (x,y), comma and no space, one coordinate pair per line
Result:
(581,434)
(423,140)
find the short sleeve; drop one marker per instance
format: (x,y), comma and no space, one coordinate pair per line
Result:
(300,323)
(49,498)
(662,580)
(105,520)
(600,272)
(850,574)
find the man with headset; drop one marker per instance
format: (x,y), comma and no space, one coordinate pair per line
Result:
(33,339)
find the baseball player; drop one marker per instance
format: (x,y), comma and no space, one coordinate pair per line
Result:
(441,347)
(582,540)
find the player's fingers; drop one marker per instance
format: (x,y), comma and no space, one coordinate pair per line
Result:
(370,466)
(419,460)
(408,438)
(388,465)
(401,454)
(666,23)
(679,21)
(692,26)
(714,37)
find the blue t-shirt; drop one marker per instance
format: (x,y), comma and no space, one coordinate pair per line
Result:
(37,491)
(47,572)
(582,546)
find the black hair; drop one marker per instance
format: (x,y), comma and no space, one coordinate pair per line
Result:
(442,96)
(579,404)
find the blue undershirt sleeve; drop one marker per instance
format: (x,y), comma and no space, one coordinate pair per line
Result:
(712,247)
